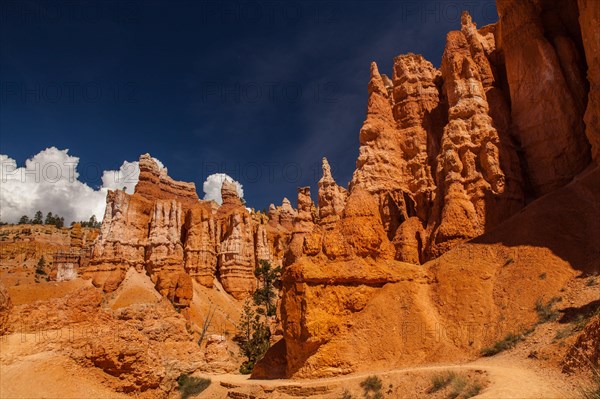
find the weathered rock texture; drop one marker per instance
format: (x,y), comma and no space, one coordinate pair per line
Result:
(436,148)
(478,173)
(449,157)
(5,307)
(164,229)
(140,349)
(545,67)
(585,352)
(589,20)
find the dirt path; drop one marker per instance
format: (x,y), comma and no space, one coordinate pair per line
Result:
(509,379)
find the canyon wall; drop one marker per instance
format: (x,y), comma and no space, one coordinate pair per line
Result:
(164,229)
(459,201)
(467,169)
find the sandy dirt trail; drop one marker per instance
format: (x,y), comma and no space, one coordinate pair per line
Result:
(508,379)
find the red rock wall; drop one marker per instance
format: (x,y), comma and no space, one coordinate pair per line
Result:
(446,156)
(165,229)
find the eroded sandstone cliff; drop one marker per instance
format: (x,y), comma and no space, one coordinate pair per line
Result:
(448,159)
(164,229)
(467,170)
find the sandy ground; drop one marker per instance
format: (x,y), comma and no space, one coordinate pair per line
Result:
(48,375)
(507,377)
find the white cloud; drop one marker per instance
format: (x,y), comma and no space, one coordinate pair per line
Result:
(126,177)
(212,187)
(49,182)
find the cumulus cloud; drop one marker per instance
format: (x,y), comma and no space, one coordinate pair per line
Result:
(126,177)
(49,181)
(212,187)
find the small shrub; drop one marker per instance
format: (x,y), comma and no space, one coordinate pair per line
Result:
(590,282)
(441,381)
(509,341)
(346,395)
(372,385)
(473,390)
(564,333)
(546,312)
(582,320)
(190,386)
(247,367)
(458,386)
(542,276)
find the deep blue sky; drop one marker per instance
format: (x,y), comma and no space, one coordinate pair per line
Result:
(258,90)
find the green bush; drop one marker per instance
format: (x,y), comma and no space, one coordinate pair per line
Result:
(509,341)
(372,387)
(458,386)
(441,381)
(545,311)
(190,386)
(564,333)
(473,390)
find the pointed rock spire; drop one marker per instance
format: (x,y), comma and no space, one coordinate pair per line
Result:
(332,198)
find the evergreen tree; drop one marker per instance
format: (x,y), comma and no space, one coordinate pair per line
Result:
(253,338)
(37,218)
(92,222)
(40,266)
(24,220)
(59,222)
(254,333)
(264,296)
(49,218)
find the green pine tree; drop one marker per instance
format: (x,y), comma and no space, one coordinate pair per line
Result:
(37,219)
(254,333)
(49,218)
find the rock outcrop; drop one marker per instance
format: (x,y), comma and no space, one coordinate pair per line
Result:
(585,352)
(589,21)
(436,148)
(139,349)
(164,229)
(448,159)
(545,70)
(478,175)
(5,307)
(396,152)
(332,198)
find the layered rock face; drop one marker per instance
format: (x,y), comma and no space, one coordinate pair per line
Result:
(446,158)
(478,174)
(164,229)
(396,150)
(436,148)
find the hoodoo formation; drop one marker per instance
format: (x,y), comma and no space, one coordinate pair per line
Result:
(467,170)
(473,180)
(164,229)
